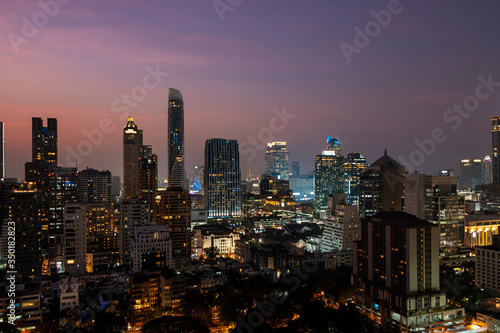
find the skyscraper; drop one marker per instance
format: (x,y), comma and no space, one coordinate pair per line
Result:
(2,151)
(148,182)
(495,145)
(222,178)
(396,274)
(487,170)
(43,150)
(175,142)
(471,174)
(132,150)
(277,160)
(354,165)
(94,186)
(295,169)
(381,187)
(329,177)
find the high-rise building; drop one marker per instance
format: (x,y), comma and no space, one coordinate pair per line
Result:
(150,248)
(342,225)
(381,187)
(133,212)
(175,143)
(94,186)
(2,150)
(116,188)
(443,206)
(396,274)
(222,178)
(487,170)
(174,210)
(43,151)
(277,160)
(495,146)
(295,169)
(198,180)
(75,238)
(148,182)
(132,152)
(354,166)
(25,209)
(329,174)
(471,174)
(488,265)
(415,195)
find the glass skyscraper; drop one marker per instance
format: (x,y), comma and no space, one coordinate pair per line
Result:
(277,160)
(175,142)
(222,178)
(329,173)
(355,165)
(132,147)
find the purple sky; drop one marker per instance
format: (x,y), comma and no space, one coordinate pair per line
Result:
(264,55)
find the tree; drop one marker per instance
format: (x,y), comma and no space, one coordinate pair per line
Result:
(211,252)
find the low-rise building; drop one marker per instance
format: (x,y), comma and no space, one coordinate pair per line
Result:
(216,236)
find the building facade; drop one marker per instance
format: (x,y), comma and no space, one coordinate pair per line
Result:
(175,143)
(132,151)
(329,174)
(94,186)
(276,161)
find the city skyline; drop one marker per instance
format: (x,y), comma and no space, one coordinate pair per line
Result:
(380,90)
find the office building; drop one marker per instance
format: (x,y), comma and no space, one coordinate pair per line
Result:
(198,180)
(132,152)
(381,187)
(495,147)
(222,178)
(2,150)
(133,212)
(354,166)
(471,174)
(175,142)
(481,228)
(415,195)
(94,186)
(276,161)
(150,248)
(342,226)
(488,265)
(75,240)
(295,169)
(174,210)
(487,170)
(43,151)
(148,182)
(396,274)
(116,188)
(329,173)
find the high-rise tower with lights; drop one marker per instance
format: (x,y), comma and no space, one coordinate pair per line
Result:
(175,143)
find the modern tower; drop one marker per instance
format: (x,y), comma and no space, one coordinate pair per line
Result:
(487,170)
(354,165)
(175,142)
(222,178)
(94,186)
(495,145)
(2,151)
(277,160)
(132,149)
(329,177)
(44,150)
(471,174)
(148,182)
(295,169)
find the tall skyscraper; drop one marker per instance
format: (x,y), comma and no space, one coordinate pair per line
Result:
(415,195)
(148,182)
(175,142)
(43,151)
(198,179)
(132,151)
(75,238)
(134,212)
(94,186)
(295,169)
(277,160)
(495,145)
(471,174)
(2,151)
(381,187)
(354,166)
(329,177)
(396,274)
(222,178)
(487,170)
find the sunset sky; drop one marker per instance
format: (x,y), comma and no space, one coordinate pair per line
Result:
(263,56)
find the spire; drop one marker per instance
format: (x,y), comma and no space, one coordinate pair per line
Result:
(130,117)
(385,151)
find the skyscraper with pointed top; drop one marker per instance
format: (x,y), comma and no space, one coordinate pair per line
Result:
(175,141)
(132,148)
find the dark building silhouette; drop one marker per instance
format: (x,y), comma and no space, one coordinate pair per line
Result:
(175,143)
